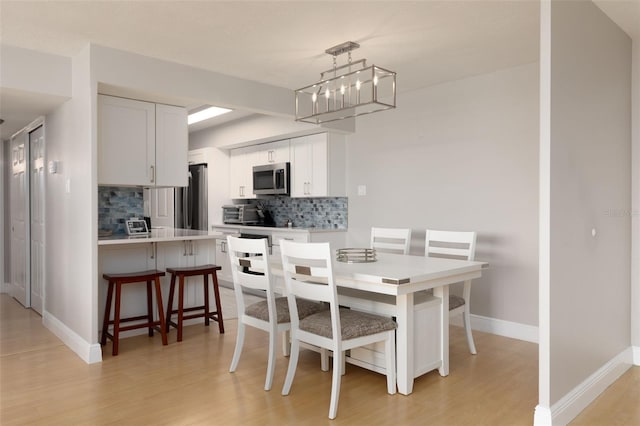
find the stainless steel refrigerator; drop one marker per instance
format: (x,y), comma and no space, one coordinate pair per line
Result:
(191,202)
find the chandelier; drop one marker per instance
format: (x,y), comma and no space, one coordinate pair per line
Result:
(346,91)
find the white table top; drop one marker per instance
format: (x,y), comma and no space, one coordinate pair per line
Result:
(160,235)
(400,274)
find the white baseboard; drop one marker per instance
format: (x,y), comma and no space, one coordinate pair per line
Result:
(570,405)
(89,353)
(636,355)
(513,330)
(542,416)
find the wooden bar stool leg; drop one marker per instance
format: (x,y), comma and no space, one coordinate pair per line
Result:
(205,278)
(150,308)
(180,307)
(107,314)
(163,329)
(218,305)
(116,320)
(172,288)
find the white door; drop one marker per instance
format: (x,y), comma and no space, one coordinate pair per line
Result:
(18,189)
(36,196)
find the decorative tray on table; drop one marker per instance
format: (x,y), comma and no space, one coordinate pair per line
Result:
(356,255)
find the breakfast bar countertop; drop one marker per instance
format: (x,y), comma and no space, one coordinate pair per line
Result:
(278,228)
(159,235)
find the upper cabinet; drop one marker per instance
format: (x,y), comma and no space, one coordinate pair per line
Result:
(141,143)
(172,144)
(241,162)
(318,166)
(273,152)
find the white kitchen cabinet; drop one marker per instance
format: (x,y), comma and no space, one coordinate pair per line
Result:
(141,143)
(172,144)
(241,162)
(273,152)
(222,253)
(222,259)
(318,166)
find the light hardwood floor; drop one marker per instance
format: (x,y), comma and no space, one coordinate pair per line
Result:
(43,382)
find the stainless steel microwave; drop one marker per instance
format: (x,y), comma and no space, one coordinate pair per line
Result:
(271,179)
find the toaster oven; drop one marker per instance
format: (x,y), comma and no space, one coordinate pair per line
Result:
(240,214)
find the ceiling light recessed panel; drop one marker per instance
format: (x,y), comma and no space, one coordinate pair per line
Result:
(207,113)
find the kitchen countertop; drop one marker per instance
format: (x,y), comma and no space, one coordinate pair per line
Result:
(277,228)
(160,235)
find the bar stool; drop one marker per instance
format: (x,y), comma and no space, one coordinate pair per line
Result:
(115,282)
(205,271)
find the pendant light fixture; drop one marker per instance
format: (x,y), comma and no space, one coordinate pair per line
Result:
(346,91)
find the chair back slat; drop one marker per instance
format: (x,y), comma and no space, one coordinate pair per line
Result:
(393,240)
(454,244)
(249,267)
(308,274)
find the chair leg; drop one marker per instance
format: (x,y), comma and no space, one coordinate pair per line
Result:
(239,345)
(271,364)
(180,306)
(107,314)
(163,328)
(467,328)
(293,363)
(324,359)
(205,279)
(390,357)
(172,288)
(216,293)
(116,321)
(286,345)
(335,383)
(150,308)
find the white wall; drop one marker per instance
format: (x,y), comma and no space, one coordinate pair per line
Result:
(635,218)
(70,307)
(586,185)
(459,156)
(30,75)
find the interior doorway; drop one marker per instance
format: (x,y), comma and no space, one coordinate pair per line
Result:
(27,216)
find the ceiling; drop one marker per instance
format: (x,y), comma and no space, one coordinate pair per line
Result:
(283,43)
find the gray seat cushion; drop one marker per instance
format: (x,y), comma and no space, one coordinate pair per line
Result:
(454,301)
(353,323)
(260,309)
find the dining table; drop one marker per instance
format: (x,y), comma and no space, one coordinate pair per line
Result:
(398,278)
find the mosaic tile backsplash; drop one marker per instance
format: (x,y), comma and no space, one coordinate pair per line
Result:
(116,204)
(329,212)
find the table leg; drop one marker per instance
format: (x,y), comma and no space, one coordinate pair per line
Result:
(404,343)
(443,293)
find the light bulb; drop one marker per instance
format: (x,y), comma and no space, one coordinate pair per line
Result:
(342,89)
(375,80)
(327,94)
(314,97)
(358,84)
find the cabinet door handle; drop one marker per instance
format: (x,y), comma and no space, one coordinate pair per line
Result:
(184,248)
(223,246)
(153,174)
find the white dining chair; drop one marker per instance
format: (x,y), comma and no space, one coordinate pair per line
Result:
(391,240)
(308,272)
(250,270)
(455,245)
